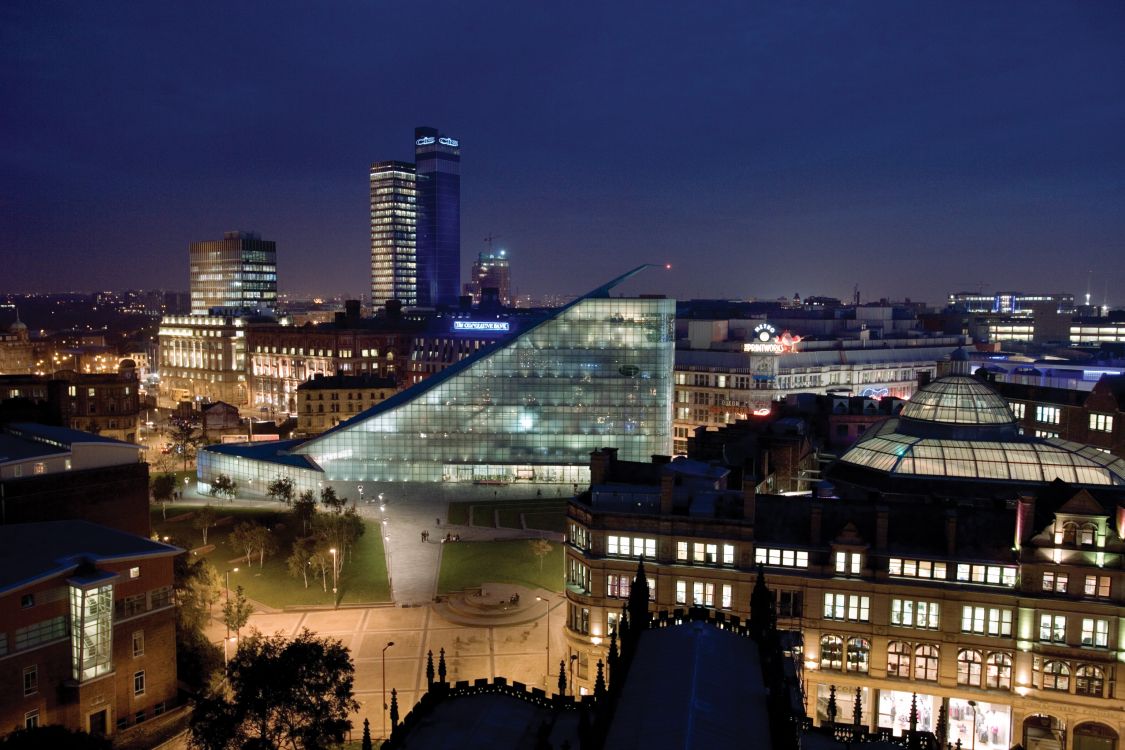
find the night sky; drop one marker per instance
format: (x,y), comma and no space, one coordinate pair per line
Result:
(914,148)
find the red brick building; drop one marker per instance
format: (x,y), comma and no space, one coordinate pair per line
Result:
(87,627)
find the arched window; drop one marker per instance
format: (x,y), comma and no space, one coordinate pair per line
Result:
(1087,534)
(831,652)
(859,654)
(998,674)
(968,667)
(898,659)
(1056,676)
(1070,533)
(926,663)
(1088,680)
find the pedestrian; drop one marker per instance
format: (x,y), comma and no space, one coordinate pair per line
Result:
(423,536)
(437,522)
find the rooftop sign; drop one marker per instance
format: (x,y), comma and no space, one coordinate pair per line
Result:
(766,341)
(501,326)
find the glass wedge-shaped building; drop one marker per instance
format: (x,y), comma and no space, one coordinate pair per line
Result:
(595,373)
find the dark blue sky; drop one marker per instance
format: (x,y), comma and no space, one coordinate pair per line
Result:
(763,148)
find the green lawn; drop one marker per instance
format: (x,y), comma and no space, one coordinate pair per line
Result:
(363,577)
(469,564)
(548,514)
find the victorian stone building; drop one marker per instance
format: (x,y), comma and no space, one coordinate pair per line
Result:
(949,563)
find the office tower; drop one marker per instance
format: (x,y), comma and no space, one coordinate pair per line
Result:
(238,272)
(438,247)
(393,266)
(491,271)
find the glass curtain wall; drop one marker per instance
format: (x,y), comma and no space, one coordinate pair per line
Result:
(597,374)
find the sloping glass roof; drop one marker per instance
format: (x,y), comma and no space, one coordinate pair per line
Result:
(1022,460)
(961,400)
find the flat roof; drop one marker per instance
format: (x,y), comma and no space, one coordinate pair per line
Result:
(61,436)
(30,552)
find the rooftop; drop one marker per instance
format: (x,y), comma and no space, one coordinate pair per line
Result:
(959,400)
(33,551)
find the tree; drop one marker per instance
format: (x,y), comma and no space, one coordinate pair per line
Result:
(54,736)
(281,490)
(163,485)
(366,743)
(223,486)
(300,558)
(252,537)
(196,587)
(204,519)
(331,500)
(185,438)
(306,710)
(339,530)
(304,510)
(540,548)
(237,611)
(321,559)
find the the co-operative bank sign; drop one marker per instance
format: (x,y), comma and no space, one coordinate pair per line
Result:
(493,326)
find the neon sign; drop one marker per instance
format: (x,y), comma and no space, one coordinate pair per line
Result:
(427,141)
(451,142)
(766,341)
(482,325)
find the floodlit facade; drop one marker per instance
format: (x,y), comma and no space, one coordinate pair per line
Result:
(529,408)
(238,272)
(393,216)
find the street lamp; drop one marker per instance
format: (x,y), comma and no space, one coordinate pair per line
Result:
(973,705)
(389,644)
(227,589)
(334,577)
(573,658)
(548,603)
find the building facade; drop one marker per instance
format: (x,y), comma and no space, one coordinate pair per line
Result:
(715,387)
(948,560)
(394,272)
(238,272)
(437,160)
(87,640)
(202,358)
(326,401)
(527,408)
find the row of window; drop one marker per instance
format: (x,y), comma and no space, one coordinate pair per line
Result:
(703,594)
(1094,633)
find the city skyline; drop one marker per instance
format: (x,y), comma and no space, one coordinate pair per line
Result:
(759,150)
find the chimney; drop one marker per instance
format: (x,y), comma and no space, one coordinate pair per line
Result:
(667,489)
(601,464)
(882,518)
(1025,519)
(951,532)
(923,378)
(749,498)
(816,510)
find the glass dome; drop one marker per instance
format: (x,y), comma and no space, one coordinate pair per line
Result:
(958,400)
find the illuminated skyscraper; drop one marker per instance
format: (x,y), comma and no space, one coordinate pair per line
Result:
(393,265)
(238,272)
(491,271)
(437,160)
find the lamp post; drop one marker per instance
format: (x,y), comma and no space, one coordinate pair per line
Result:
(334,576)
(226,588)
(389,644)
(548,603)
(973,705)
(573,658)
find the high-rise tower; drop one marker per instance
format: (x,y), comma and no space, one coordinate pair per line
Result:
(437,160)
(238,272)
(491,270)
(393,266)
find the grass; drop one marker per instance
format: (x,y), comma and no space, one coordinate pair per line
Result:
(467,565)
(363,578)
(547,514)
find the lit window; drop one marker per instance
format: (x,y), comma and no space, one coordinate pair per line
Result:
(847,607)
(1052,628)
(787,558)
(1095,633)
(134,572)
(1056,676)
(849,563)
(906,613)
(916,568)
(1097,586)
(998,672)
(139,683)
(1101,422)
(969,664)
(139,643)
(1055,582)
(926,663)
(1047,414)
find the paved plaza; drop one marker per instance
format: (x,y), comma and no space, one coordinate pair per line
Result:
(512,643)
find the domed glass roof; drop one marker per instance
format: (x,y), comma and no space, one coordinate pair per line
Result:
(958,400)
